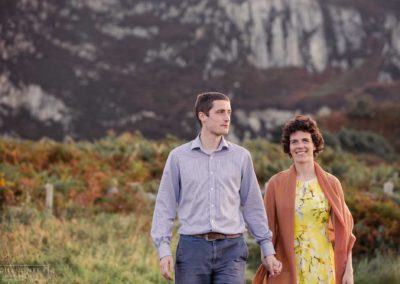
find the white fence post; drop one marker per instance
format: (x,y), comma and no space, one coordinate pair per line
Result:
(49,197)
(388,187)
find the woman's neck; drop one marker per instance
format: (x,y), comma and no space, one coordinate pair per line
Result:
(305,171)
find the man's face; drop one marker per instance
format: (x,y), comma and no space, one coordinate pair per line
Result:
(219,118)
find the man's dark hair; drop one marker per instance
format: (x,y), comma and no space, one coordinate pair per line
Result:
(306,124)
(205,101)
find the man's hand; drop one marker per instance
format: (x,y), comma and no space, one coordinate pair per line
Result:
(167,266)
(273,266)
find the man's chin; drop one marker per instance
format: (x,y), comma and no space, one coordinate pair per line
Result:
(225,132)
(221,133)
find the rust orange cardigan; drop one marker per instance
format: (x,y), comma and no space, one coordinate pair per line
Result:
(280,201)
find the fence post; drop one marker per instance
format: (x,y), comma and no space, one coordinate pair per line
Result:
(388,187)
(49,198)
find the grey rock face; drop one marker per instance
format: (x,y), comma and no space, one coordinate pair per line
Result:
(81,67)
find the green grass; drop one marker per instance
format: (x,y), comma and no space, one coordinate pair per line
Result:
(115,248)
(104,248)
(381,269)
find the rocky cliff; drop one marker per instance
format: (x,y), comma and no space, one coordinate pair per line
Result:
(81,67)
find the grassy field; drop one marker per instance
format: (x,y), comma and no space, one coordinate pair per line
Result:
(102,248)
(100,237)
(111,248)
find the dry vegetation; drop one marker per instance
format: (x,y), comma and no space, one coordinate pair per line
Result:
(104,197)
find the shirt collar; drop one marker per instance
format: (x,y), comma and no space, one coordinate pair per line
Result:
(196,144)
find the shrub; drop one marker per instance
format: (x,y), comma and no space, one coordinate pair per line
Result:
(365,142)
(81,173)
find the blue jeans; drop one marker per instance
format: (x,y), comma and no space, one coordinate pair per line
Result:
(199,261)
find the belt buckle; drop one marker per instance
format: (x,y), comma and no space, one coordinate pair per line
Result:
(212,237)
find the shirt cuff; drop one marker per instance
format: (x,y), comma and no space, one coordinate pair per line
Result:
(267,249)
(164,250)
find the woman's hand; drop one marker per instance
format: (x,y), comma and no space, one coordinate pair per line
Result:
(348,272)
(348,277)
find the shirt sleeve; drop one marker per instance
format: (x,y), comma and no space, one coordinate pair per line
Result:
(165,208)
(253,209)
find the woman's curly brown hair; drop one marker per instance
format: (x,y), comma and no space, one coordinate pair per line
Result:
(306,124)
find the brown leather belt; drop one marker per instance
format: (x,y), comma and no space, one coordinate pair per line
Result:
(216,236)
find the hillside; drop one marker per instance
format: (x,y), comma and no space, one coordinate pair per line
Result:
(120,174)
(79,68)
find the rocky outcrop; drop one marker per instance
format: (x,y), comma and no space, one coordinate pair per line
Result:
(82,67)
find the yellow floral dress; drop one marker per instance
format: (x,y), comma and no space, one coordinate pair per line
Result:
(313,251)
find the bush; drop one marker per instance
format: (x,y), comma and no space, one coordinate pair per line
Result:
(82,174)
(365,142)
(331,140)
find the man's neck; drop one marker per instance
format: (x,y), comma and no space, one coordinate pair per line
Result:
(305,171)
(210,142)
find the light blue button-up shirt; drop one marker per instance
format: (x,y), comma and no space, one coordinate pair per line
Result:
(215,192)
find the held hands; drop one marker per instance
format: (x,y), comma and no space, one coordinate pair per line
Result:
(167,266)
(273,266)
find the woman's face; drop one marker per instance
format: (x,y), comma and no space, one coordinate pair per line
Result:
(302,147)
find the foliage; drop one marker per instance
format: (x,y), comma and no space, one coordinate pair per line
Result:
(381,119)
(83,172)
(360,106)
(365,142)
(268,158)
(120,174)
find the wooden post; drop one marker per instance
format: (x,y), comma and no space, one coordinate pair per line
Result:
(49,197)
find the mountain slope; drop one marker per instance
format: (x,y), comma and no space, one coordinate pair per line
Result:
(81,67)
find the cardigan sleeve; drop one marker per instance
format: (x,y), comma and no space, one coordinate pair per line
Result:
(347,217)
(270,207)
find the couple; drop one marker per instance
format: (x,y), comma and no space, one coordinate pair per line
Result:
(211,184)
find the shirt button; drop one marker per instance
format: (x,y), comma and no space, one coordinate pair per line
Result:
(212,205)
(212,189)
(212,173)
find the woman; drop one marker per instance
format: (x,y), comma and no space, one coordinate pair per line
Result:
(307,214)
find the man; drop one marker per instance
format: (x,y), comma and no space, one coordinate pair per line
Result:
(211,184)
